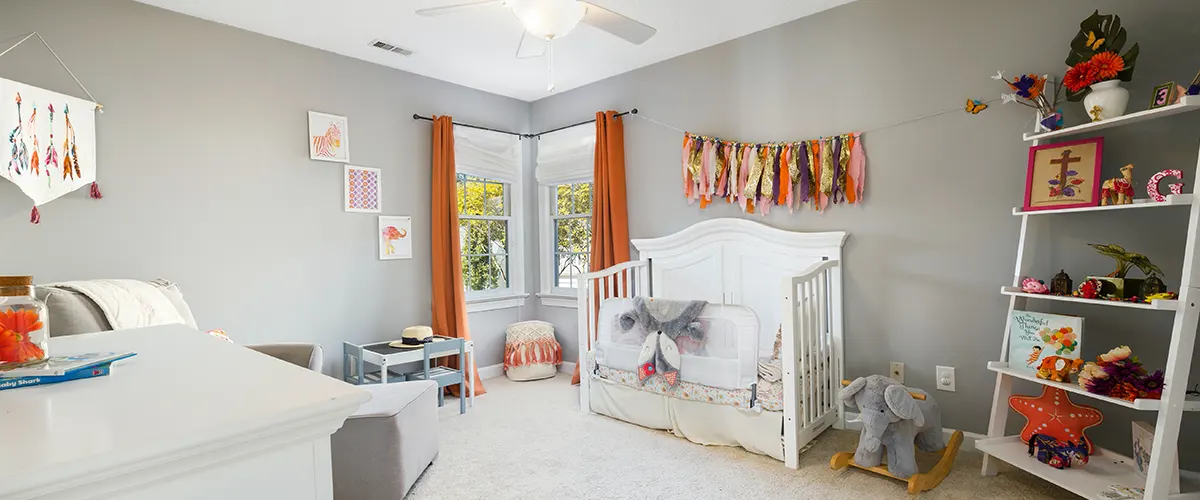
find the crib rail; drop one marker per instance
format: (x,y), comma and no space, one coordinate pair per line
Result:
(625,280)
(812,355)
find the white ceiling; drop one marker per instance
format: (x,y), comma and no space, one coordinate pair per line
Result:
(478,49)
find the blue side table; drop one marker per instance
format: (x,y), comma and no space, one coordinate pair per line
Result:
(356,357)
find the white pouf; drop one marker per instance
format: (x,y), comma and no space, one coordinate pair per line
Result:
(531,351)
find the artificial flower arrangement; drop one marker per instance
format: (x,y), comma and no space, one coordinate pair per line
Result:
(1120,375)
(16,345)
(1095,55)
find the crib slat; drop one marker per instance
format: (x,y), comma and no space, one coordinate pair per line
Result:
(621,292)
(807,379)
(824,304)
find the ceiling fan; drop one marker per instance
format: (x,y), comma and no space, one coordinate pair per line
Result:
(548,20)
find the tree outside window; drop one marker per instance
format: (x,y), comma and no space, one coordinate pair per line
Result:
(572,226)
(484,216)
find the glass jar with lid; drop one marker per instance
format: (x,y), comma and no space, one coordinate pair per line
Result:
(24,335)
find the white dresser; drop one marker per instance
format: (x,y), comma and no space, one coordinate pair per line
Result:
(190,417)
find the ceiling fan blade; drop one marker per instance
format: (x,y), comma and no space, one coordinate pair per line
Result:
(530,46)
(462,7)
(621,26)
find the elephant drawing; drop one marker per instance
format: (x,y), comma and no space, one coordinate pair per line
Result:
(894,419)
(391,234)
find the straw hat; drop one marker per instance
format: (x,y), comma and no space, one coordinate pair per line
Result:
(415,337)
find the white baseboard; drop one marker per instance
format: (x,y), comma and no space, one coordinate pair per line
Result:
(567,367)
(853,424)
(491,371)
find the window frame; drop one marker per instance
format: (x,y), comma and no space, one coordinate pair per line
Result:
(551,294)
(514,295)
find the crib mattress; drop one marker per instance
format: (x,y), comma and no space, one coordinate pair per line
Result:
(699,422)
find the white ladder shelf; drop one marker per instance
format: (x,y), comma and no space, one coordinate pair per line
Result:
(1107,467)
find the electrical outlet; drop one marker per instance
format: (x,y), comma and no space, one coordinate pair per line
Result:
(896,372)
(945,378)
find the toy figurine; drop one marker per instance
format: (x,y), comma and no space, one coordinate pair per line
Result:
(1089,289)
(1058,368)
(1033,285)
(1118,190)
(1055,453)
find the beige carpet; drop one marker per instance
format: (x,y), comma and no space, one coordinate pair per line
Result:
(529,441)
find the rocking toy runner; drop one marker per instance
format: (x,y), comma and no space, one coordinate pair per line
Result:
(902,422)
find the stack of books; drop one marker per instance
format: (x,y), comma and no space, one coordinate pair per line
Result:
(57,369)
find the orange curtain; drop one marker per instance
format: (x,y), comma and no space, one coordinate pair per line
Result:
(610,216)
(449,295)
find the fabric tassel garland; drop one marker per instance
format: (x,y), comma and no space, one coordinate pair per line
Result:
(35,217)
(539,351)
(95,191)
(756,177)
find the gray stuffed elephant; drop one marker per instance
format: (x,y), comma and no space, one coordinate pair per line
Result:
(892,418)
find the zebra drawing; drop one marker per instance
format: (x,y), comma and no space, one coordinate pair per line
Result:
(326,146)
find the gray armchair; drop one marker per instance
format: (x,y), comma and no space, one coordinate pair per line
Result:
(309,356)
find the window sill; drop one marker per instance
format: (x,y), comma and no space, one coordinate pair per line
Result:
(496,303)
(559,300)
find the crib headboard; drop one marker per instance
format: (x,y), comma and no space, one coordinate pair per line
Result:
(735,261)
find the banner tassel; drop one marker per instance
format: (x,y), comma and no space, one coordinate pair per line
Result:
(96,192)
(35,217)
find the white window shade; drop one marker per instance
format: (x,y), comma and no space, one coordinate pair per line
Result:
(566,156)
(488,154)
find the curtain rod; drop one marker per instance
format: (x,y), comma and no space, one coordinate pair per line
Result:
(523,136)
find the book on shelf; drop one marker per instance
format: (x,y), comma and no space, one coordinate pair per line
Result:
(1035,336)
(57,366)
(80,374)
(1143,448)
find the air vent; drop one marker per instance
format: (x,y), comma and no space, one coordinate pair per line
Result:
(380,44)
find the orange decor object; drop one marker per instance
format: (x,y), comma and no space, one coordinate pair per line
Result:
(449,294)
(1054,414)
(610,215)
(23,333)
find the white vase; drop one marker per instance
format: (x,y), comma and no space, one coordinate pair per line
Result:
(1109,96)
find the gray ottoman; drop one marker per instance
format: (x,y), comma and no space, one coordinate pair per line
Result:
(383,448)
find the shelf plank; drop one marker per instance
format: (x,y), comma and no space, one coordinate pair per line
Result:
(1173,200)
(1158,305)
(1140,404)
(1188,103)
(1103,468)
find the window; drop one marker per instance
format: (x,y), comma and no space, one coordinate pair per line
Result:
(571,227)
(484,218)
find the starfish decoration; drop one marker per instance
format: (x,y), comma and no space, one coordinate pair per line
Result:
(1054,414)
(1096,112)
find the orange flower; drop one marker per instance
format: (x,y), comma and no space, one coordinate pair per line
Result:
(21,321)
(16,347)
(1076,77)
(1107,65)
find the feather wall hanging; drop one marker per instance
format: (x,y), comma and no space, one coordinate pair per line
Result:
(756,176)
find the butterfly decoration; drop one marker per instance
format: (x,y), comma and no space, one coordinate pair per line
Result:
(1093,42)
(974,106)
(659,355)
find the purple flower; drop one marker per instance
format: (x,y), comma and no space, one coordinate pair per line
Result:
(1053,182)
(1067,191)
(1100,385)
(1072,172)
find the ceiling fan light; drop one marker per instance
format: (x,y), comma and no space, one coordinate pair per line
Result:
(548,19)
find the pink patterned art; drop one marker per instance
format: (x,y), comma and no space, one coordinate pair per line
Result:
(364,189)
(1152,187)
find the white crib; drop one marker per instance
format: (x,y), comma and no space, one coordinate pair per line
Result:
(791,280)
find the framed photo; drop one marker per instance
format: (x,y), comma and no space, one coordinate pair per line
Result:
(1163,95)
(363,189)
(328,137)
(395,238)
(1064,175)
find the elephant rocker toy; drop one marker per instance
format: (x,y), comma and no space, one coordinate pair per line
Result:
(901,420)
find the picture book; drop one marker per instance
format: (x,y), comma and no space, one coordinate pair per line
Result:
(56,366)
(1143,447)
(1035,336)
(79,374)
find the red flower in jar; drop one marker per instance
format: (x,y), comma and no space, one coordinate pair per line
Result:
(15,343)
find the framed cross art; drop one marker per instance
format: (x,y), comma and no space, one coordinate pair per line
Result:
(1064,175)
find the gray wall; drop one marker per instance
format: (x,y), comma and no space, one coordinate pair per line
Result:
(935,238)
(207,180)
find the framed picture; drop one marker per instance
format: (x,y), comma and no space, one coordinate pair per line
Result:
(1163,95)
(395,238)
(1064,175)
(328,137)
(363,189)
(1194,88)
